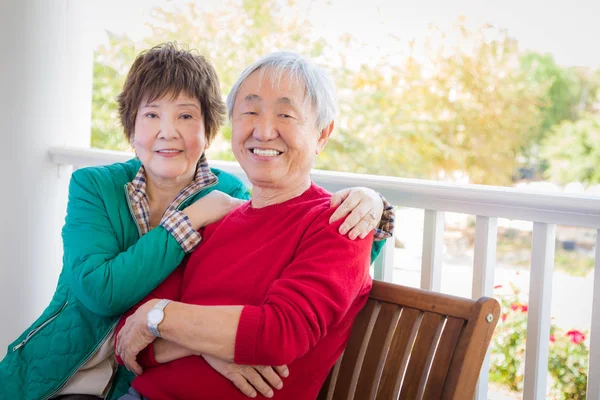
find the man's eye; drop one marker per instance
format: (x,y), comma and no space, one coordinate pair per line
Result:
(285,116)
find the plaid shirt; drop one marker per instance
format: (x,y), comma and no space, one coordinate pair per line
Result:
(178,224)
(385,228)
(173,220)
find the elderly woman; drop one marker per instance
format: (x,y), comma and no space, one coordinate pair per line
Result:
(129,225)
(289,292)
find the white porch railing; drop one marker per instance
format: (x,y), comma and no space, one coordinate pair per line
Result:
(488,203)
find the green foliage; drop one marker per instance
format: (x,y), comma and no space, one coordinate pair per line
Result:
(568,355)
(573,152)
(561,90)
(111,63)
(467,107)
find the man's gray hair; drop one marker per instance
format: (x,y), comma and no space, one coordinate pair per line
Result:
(319,88)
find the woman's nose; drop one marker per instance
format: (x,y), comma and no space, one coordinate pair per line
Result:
(167,130)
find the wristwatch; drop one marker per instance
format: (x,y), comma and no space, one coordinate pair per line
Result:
(156,316)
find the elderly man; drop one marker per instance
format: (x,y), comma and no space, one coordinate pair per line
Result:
(288,292)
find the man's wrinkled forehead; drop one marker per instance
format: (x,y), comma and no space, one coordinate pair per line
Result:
(291,88)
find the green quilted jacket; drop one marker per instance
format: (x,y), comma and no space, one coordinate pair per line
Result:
(107,268)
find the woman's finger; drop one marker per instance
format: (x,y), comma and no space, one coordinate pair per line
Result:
(362,229)
(339,196)
(346,207)
(269,374)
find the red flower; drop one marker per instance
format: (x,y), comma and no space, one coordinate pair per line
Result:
(504,317)
(524,308)
(552,338)
(515,306)
(498,287)
(576,336)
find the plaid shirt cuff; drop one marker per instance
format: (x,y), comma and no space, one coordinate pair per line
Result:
(179,225)
(386,225)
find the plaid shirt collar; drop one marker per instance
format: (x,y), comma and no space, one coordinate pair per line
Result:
(136,189)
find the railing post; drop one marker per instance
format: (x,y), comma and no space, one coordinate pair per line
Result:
(538,321)
(384,264)
(593,383)
(433,250)
(484,264)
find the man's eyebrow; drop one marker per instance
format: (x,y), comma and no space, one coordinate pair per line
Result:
(286,100)
(252,97)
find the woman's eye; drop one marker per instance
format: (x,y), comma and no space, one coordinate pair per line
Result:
(250,113)
(186,116)
(285,116)
(151,115)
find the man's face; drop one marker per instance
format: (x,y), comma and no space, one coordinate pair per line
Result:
(274,133)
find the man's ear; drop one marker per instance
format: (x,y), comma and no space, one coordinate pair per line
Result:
(324,137)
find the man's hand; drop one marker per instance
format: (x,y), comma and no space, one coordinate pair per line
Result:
(134,337)
(249,379)
(211,208)
(364,206)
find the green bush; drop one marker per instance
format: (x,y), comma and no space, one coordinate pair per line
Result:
(568,353)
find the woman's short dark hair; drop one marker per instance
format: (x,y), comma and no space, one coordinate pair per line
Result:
(169,70)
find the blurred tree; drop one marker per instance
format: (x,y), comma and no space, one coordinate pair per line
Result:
(566,93)
(464,109)
(573,152)
(111,63)
(560,90)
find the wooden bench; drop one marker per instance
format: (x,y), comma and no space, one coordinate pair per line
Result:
(412,344)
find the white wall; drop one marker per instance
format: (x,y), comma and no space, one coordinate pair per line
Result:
(45,101)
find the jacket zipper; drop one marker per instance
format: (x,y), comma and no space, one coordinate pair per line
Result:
(100,344)
(36,330)
(137,225)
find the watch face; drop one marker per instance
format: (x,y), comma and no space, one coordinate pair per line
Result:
(155,316)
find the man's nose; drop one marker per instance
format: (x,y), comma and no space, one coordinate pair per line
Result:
(265,130)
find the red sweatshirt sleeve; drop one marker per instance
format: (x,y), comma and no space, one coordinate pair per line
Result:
(170,289)
(314,292)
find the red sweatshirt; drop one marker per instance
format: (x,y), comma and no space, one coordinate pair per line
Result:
(301,284)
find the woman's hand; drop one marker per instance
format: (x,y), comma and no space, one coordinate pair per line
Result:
(247,378)
(364,206)
(211,208)
(134,337)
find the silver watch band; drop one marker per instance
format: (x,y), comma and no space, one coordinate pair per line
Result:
(153,328)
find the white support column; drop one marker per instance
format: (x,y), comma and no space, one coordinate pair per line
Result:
(46,83)
(433,250)
(538,320)
(593,386)
(384,264)
(484,264)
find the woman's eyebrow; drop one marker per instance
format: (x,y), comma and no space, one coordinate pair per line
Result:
(188,105)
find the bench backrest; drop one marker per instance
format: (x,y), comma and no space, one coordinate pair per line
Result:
(412,344)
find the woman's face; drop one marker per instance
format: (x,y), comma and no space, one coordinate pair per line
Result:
(169,137)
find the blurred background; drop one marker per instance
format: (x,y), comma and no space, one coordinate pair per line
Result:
(503,93)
